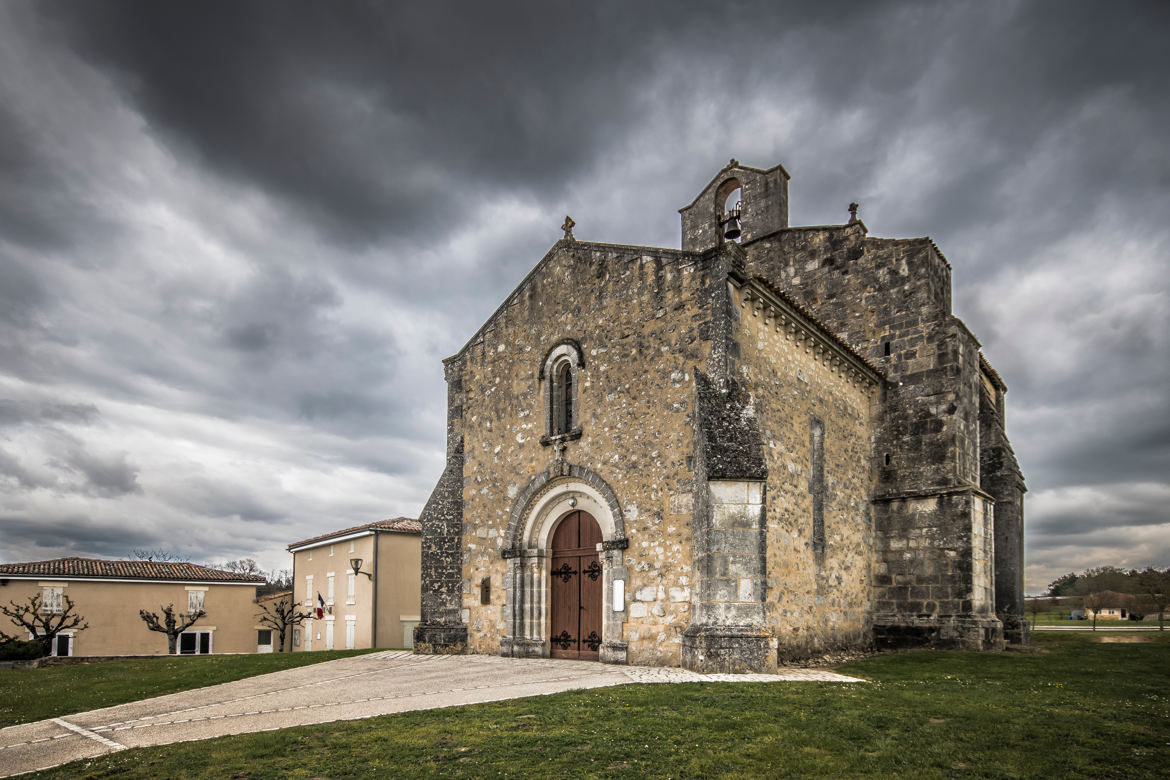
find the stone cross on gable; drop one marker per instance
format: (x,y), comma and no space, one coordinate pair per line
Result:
(568,228)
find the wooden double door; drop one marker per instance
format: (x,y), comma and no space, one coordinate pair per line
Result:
(576,588)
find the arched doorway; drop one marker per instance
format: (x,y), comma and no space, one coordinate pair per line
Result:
(538,513)
(576,588)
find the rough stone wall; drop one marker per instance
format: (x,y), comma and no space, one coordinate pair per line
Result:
(890,299)
(1000,476)
(441,628)
(818,596)
(877,292)
(764,210)
(641,320)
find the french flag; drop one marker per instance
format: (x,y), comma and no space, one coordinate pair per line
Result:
(320,606)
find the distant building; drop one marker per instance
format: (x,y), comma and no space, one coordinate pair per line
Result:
(376,607)
(109,594)
(772,443)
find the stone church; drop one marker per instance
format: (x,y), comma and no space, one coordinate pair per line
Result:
(773,443)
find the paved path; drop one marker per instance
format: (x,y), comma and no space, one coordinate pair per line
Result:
(1099,628)
(348,689)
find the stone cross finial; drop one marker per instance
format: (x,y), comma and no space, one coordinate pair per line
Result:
(568,228)
(852,213)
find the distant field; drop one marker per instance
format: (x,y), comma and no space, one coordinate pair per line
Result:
(1059,617)
(34,694)
(1078,705)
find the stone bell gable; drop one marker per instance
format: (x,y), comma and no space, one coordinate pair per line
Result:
(723,456)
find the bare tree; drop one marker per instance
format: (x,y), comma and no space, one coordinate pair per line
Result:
(161,555)
(1103,599)
(242,566)
(171,625)
(1037,604)
(44,624)
(281,614)
(1154,585)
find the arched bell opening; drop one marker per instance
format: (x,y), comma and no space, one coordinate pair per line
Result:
(728,209)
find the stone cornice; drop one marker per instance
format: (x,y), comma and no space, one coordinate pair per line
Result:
(934,493)
(800,327)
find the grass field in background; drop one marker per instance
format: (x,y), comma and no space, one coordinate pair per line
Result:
(34,694)
(1079,705)
(1059,617)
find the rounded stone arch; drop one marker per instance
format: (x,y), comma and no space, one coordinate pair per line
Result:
(722,193)
(548,498)
(541,497)
(565,348)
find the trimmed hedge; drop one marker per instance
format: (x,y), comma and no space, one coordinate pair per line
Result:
(19,650)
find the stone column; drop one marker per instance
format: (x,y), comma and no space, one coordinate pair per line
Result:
(728,632)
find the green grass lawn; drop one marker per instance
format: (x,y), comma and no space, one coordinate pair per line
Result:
(1059,617)
(1083,705)
(34,694)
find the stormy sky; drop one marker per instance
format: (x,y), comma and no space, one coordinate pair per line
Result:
(237,238)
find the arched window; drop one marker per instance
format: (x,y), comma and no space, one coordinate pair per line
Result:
(560,371)
(562,398)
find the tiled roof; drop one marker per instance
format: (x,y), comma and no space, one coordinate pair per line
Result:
(995,377)
(402,525)
(134,570)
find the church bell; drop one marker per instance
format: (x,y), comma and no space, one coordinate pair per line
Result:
(731,230)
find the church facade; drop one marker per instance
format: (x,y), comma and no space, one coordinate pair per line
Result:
(775,442)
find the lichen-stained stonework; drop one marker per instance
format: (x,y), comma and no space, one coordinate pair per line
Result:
(819,590)
(637,315)
(788,445)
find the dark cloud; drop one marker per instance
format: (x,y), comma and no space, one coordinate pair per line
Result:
(14,412)
(12,468)
(104,476)
(359,100)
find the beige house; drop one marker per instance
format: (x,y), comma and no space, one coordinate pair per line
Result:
(109,594)
(361,585)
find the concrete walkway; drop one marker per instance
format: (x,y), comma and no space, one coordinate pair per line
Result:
(348,689)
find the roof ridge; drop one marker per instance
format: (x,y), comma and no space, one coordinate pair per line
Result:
(402,524)
(77,566)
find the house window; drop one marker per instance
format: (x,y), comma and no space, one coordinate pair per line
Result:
(308,590)
(195,643)
(350,588)
(330,551)
(52,598)
(329,588)
(264,636)
(560,372)
(62,645)
(195,601)
(329,633)
(350,632)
